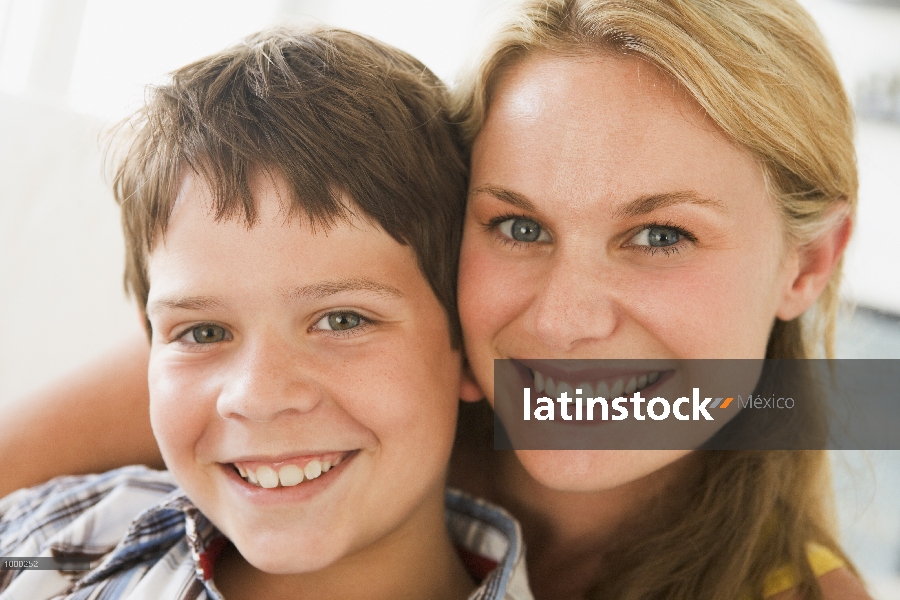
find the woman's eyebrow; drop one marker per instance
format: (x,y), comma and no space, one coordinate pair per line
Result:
(640,206)
(647,204)
(317,291)
(505,195)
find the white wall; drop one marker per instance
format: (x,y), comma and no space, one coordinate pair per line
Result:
(69,70)
(61,298)
(865,41)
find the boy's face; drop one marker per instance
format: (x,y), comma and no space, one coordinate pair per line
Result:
(278,349)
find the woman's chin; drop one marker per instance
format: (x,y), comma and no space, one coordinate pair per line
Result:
(594,470)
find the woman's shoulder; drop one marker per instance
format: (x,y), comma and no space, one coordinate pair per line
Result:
(838,584)
(836,580)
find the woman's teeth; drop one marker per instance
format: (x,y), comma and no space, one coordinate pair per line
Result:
(286,476)
(612,388)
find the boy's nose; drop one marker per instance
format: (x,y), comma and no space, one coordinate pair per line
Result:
(267,380)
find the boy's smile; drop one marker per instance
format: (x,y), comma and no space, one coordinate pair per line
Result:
(303,386)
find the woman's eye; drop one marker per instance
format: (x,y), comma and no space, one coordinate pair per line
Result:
(339,321)
(523,230)
(657,237)
(206,334)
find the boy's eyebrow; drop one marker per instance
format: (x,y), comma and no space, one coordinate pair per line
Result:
(317,291)
(185,303)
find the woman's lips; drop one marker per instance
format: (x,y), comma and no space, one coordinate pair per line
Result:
(555,377)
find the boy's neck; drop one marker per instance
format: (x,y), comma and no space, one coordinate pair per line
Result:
(416,560)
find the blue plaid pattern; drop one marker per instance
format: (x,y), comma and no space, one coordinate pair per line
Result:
(147,541)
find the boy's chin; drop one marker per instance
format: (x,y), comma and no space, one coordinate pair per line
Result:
(293,561)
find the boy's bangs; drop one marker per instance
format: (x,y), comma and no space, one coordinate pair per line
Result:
(337,116)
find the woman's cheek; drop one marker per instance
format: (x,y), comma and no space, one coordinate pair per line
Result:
(491,292)
(720,309)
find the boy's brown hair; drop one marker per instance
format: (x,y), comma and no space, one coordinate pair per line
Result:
(331,112)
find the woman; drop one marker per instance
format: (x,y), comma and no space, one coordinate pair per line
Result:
(639,171)
(649,180)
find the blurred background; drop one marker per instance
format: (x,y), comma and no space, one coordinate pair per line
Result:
(70,69)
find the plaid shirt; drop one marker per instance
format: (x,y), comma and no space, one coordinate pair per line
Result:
(169,549)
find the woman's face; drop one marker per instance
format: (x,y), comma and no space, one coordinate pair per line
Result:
(610,218)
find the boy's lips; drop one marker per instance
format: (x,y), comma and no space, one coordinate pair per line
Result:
(290,471)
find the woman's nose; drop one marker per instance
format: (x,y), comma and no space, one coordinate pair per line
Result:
(572,305)
(269,378)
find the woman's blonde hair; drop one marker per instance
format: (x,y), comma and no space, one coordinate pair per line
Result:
(761,71)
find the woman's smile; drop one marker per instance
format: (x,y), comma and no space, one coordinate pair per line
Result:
(592,233)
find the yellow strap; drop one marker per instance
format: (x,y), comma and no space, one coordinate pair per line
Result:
(821,559)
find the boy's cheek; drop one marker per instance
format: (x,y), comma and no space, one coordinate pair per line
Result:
(180,407)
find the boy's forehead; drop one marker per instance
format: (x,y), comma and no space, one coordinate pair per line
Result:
(271,199)
(279,254)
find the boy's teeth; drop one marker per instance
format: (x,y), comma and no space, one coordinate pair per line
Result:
(267,476)
(312,469)
(290,475)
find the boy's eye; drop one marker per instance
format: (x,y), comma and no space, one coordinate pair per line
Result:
(523,230)
(339,321)
(657,237)
(208,334)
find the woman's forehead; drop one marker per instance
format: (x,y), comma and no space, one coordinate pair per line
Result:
(611,77)
(573,126)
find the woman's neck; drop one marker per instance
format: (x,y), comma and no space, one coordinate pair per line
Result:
(580,534)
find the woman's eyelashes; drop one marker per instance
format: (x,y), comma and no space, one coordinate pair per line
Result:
(655,238)
(519,230)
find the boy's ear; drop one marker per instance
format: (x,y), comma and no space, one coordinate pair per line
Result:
(813,264)
(469,390)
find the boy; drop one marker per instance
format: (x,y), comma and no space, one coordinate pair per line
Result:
(292,210)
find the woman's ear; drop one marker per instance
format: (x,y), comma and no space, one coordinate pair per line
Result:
(813,264)
(469,390)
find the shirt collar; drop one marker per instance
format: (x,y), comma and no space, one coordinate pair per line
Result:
(490,540)
(491,545)
(156,530)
